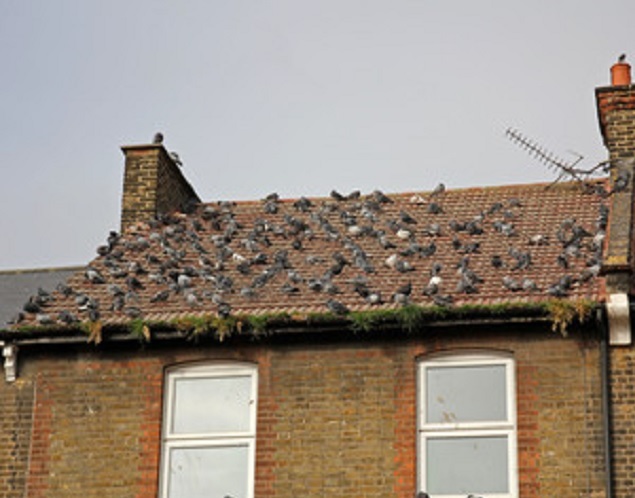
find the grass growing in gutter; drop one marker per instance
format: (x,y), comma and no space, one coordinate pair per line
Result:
(562,314)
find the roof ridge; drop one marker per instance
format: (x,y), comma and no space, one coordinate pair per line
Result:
(406,193)
(47,269)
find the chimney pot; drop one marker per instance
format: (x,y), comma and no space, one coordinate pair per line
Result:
(621,74)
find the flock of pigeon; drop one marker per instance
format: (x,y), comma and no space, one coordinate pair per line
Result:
(341,253)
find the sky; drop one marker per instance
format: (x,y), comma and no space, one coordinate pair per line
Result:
(290,96)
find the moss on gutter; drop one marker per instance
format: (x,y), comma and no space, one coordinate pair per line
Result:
(561,313)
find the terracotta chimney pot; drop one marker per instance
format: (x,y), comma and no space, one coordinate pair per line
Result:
(621,74)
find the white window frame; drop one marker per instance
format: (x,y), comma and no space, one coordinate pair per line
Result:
(507,428)
(171,441)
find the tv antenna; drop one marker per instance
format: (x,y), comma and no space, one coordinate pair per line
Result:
(564,169)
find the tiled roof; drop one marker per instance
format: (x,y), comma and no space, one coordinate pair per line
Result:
(508,244)
(16,286)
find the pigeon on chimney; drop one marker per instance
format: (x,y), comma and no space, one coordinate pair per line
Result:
(158,138)
(621,58)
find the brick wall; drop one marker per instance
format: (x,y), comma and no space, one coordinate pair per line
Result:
(16,417)
(616,114)
(334,420)
(153,184)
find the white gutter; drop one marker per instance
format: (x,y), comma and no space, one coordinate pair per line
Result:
(619,320)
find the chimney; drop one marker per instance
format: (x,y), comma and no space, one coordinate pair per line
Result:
(616,115)
(153,184)
(616,112)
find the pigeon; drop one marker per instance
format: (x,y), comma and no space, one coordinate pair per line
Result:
(67,317)
(336,307)
(528,284)
(133,283)
(406,218)
(158,138)
(94,276)
(132,312)
(538,240)
(192,299)
(433,230)
(115,290)
(303,204)
(391,261)
(176,159)
(44,319)
(621,58)
(288,288)
(621,181)
(403,266)
(443,300)
(402,294)
(381,198)
(434,208)
(433,286)
(497,261)
(336,195)
(160,296)
(438,190)
(374,298)
(64,289)
(512,284)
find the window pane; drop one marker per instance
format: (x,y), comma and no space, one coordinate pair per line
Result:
(210,405)
(474,393)
(217,471)
(464,465)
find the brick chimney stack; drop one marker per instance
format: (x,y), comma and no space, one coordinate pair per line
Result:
(153,184)
(616,112)
(616,115)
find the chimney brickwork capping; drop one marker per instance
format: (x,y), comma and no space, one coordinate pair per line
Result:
(616,115)
(153,184)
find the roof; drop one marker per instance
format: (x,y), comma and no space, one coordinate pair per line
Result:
(475,246)
(16,286)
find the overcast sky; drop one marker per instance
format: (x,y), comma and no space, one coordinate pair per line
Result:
(292,96)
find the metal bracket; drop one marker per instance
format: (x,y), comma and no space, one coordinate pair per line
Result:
(10,355)
(618,312)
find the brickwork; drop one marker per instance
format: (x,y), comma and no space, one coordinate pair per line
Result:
(616,114)
(153,184)
(16,410)
(334,420)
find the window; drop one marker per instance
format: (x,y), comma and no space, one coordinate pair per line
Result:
(209,431)
(467,426)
